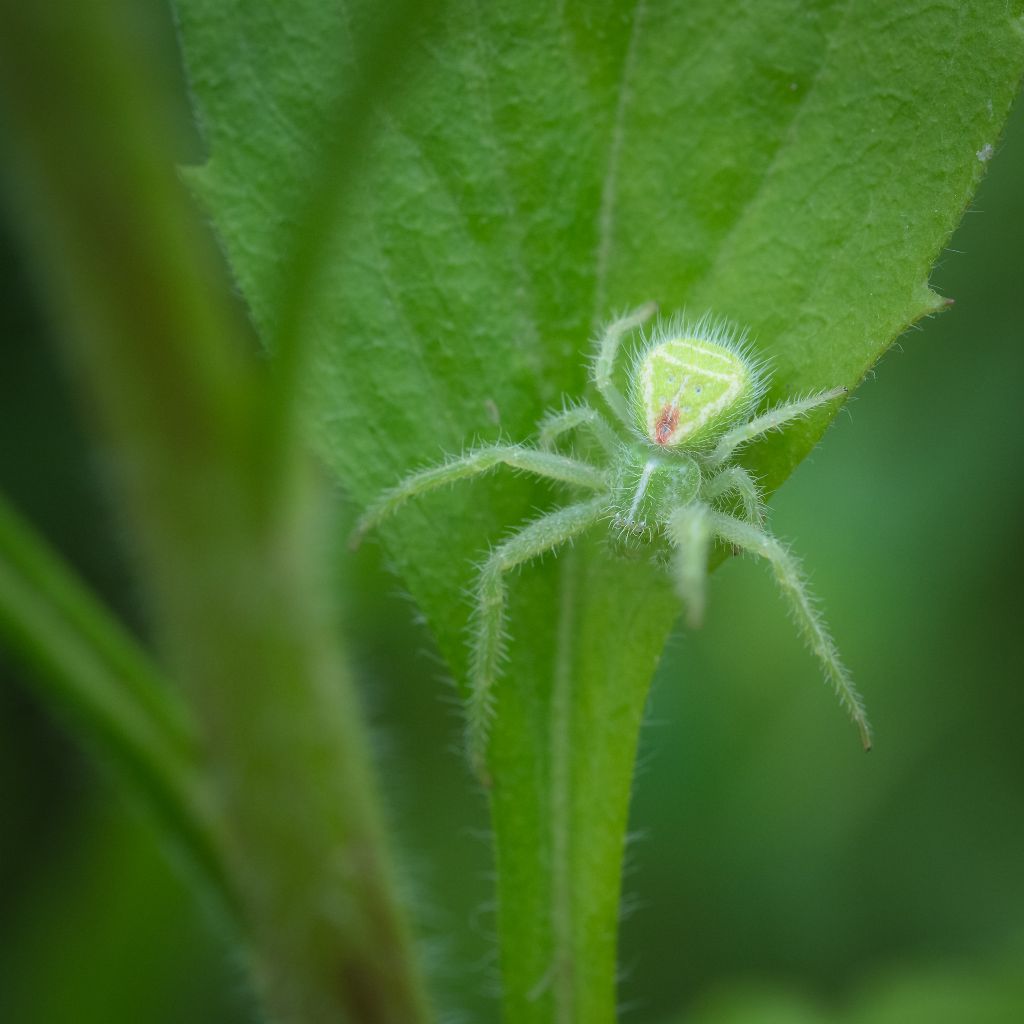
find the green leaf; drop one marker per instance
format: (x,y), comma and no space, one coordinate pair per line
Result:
(796,167)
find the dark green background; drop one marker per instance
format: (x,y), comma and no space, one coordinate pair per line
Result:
(772,855)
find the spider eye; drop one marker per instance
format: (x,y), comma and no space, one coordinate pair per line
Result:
(707,360)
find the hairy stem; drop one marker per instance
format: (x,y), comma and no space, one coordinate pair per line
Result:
(561,807)
(561,796)
(233,569)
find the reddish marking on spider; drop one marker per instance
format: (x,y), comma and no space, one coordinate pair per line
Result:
(667,423)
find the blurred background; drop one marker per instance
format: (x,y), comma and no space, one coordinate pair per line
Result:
(777,874)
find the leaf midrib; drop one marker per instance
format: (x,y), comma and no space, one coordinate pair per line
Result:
(606,212)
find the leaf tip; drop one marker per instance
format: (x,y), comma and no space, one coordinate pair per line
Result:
(934,303)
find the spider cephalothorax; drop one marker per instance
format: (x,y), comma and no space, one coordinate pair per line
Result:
(666,478)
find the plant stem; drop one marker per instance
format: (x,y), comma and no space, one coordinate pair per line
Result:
(234,569)
(560,821)
(92,670)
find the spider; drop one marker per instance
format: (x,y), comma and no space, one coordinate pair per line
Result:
(667,482)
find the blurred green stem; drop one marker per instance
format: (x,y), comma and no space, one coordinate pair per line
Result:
(93,671)
(234,569)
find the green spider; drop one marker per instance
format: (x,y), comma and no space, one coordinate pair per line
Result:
(668,483)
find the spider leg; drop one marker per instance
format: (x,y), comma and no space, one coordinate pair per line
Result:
(607,350)
(774,419)
(545,464)
(689,532)
(541,535)
(555,424)
(735,480)
(792,584)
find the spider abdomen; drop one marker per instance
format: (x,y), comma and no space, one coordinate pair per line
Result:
(691,382)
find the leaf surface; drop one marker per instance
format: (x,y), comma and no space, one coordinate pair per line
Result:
(794,166)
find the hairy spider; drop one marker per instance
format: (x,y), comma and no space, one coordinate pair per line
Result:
(668,482)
